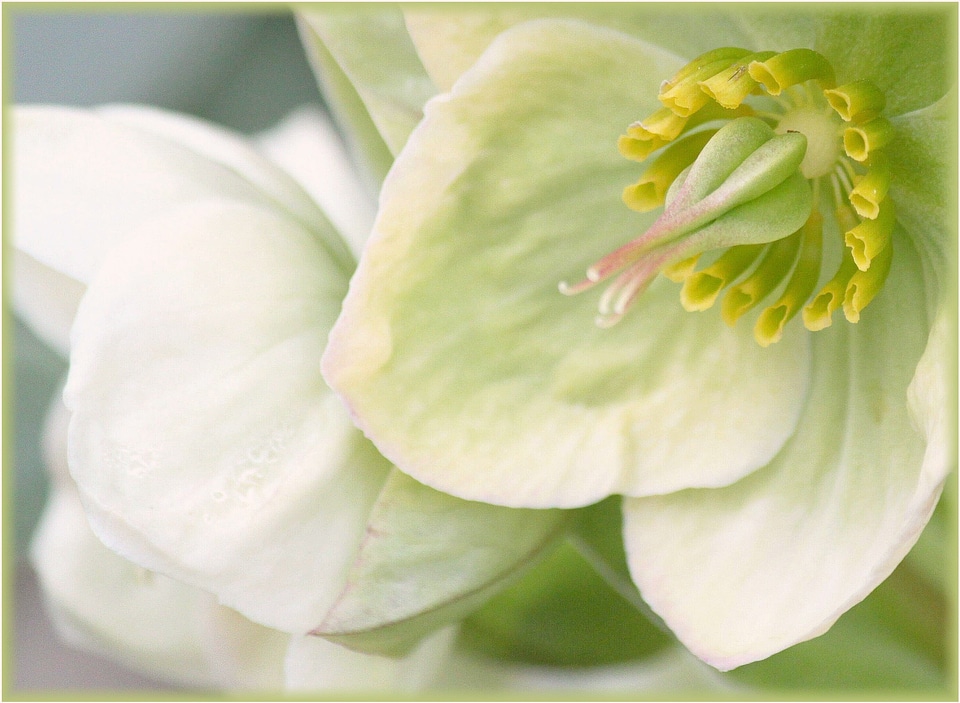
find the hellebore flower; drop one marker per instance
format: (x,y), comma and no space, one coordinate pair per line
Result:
(192,282)
(774,471)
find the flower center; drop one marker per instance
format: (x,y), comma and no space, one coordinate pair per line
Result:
(745,187)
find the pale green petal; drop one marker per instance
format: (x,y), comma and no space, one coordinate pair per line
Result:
(313,664)
(904,50)
(450,38)
(923,166)
(429,559)
(375,53)
(366,145)
(204,441)
(743,572)
(456,352)
(308,147)
(83,180)
(107,605)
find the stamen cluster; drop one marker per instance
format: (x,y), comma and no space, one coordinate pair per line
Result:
(844,164)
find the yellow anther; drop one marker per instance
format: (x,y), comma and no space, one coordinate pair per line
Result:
(638,149)
(861,140)
(871,188)
(817,313)
(856,102)
(864,285)
(678,271)
(662,124)
(790,68)
(684,96)
(732,85)
(701,289)
(770,272)
(870,237)
(770,324)
(724,53)
(651,190)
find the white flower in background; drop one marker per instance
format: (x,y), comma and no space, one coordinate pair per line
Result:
(206,277)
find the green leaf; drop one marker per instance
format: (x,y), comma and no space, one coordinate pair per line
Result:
(429,559)
(562,613)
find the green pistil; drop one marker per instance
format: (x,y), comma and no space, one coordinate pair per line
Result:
(721,187)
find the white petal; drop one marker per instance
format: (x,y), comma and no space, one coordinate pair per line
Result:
(83,181)
(227,149)
(742,572)
(45,299)
(204,441)
(313,664)
(242,655)
(308,147)
(107,605)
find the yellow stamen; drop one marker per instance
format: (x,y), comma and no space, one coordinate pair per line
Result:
(651,190)
(871,189)
(638,149)
(864,285)
(701,289)
(790,68)
(769,327)
(856,102)
(771,271)
(731,86)
(662,124)
(818,313)
(861,140)
(870,237)
(678,271)
(730,53)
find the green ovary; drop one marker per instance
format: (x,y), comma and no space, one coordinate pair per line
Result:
(844,165)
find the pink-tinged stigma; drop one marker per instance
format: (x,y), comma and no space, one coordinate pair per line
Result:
(765,169)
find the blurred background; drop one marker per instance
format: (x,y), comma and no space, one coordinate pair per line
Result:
(240,69)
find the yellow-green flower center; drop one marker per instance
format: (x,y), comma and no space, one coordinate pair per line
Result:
(843,162)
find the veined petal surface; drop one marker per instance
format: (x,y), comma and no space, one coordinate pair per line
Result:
(742,572)
(203,439)
(511,184)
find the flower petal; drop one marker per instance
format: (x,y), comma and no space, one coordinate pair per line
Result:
(204,441)
(923,167)
(450,39)
(104,604)
(313,664)
(107,174)
(46,300)
(743,572)
(486,210)
(429,559)
(308,147)
(376,55)
(903,51)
